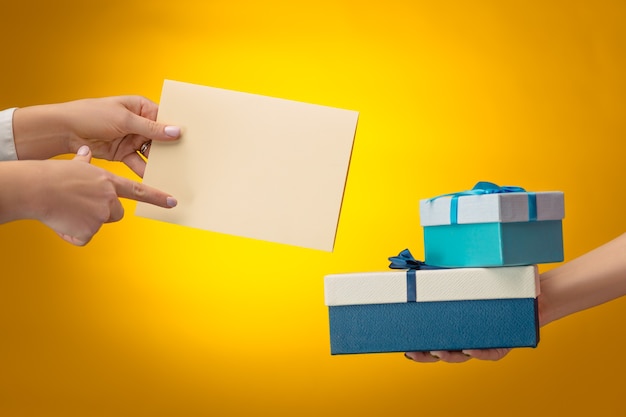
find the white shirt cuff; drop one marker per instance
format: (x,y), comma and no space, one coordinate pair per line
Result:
(7,142)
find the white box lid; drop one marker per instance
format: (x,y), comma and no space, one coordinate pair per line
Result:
(492,208)
(432,285)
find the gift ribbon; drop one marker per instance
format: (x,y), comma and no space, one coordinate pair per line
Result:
(404,260)
(485,187)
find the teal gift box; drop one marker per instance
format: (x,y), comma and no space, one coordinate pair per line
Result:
(490,226)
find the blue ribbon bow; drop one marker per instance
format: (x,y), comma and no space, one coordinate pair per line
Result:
(404,260)
(484,187)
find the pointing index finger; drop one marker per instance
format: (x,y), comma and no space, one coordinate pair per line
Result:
(134,190)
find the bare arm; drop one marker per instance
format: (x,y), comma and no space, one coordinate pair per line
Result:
(75,198)
(72,197)
(114,128)
(587,281)
(592,279)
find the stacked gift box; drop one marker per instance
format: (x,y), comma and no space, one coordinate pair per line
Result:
(476,289)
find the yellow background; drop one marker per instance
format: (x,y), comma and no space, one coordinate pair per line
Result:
(156,320)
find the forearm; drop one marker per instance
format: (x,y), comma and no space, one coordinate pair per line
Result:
(40,132)
(587,281)
(19,183)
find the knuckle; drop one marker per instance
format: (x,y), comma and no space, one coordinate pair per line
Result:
(126,120)
(101,217)
(138,190)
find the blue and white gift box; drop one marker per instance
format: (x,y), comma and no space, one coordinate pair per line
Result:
(493,226)
(440,309)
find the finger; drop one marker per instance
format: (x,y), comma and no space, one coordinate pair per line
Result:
(140,105)
(450,356)
(140,192)
(116,211)
(83,154)
(421,357)
(74,240)
(136,163)
(487,354)
(150,129)
(144,149)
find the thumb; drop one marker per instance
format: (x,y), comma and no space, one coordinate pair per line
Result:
(73,240)
(152,130)
(83,154)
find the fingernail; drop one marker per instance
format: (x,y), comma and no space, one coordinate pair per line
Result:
(466,353)
(83,150)
(172,131)
(434,355)
(172,202)
(406,355)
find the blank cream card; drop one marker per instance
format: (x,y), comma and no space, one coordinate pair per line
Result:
(252,166)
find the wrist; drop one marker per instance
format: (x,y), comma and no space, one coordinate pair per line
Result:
(40,132)
(20,188)
(545,305)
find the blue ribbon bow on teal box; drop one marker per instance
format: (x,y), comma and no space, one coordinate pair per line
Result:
(485,187)
(491,225)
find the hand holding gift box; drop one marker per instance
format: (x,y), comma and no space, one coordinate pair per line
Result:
(488,240)
(592,279)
